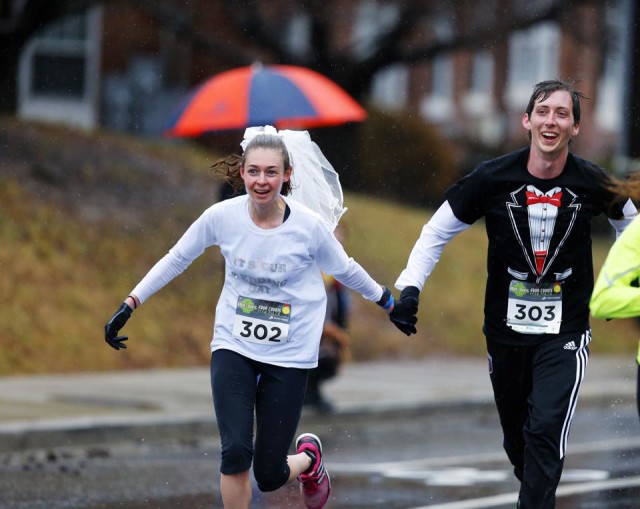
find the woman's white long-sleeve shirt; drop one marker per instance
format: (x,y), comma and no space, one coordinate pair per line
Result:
(273,302)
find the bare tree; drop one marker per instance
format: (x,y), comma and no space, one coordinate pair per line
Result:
(401,39)
(257,29)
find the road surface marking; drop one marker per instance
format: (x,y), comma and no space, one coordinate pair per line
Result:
(511,498)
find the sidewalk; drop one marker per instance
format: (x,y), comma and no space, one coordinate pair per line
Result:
(45,411)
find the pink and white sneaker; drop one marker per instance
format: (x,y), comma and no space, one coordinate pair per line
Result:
(315,485)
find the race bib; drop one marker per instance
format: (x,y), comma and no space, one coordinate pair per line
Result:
(534,308)
(261,321)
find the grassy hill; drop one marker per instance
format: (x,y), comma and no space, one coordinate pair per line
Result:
(84,216)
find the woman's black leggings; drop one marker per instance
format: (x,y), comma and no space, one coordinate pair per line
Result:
(239,386)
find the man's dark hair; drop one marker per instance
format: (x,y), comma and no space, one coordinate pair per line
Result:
(544,89)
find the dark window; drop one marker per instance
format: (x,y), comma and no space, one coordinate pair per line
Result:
(59,76)
(5,9)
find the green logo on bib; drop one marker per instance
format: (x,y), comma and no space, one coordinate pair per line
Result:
(246,305)
(518,289)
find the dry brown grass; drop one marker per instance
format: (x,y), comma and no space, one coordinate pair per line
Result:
(85,216)
(381,235)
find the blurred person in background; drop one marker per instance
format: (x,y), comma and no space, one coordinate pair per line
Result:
(331,354)
(271,310)
(334,340)
(537,203)
(617,290)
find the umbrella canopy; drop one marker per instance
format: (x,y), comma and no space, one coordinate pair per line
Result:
(280,95)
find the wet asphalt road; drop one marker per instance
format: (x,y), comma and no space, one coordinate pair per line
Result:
(448,460)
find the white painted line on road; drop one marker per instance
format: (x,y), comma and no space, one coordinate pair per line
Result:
(512,498)
(470,476)
(451,476)
(363,468)
(610,444)
(587,487)
(475,459)
(507,498)
(476,503)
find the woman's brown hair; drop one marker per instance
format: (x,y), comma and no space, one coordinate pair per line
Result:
(629,187)
(228,168)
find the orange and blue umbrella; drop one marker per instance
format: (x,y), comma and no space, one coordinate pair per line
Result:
(280,95)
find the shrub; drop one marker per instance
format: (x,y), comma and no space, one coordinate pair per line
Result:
(402,158)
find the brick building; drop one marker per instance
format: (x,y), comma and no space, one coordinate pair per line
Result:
(117,67)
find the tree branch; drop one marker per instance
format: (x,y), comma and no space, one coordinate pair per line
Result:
(172,19)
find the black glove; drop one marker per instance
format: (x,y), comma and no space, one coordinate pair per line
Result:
(114,325)
(404,310)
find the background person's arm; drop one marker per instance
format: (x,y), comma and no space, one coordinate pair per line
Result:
(616,293)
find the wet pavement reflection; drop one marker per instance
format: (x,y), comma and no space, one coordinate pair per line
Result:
(449,460)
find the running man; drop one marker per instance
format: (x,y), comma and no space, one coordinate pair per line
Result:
(537,204)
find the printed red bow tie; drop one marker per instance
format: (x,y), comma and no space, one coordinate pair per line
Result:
(552,200)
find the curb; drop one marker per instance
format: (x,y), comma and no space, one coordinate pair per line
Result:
(20,436)
(87,431)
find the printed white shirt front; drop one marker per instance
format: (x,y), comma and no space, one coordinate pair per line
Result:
(272,306)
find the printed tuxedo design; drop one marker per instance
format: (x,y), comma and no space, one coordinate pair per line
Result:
(542,235)
(539,234)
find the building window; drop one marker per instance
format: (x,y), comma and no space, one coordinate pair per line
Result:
(59,67)
(481,73)
(298,35)
(611,89)
(478,99)
(438,106)
(533,57)
(477,102)
(5,9)
(373,18)
(58,76)
(442,77)
(58,62)
(390,87)
(442,66)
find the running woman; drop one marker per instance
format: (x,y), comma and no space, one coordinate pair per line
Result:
(617,290)
(537,204)
(271,311)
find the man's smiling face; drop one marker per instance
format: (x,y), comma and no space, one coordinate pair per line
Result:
(551,124)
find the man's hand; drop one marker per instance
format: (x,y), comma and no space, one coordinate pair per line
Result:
(113,326)
(405,309)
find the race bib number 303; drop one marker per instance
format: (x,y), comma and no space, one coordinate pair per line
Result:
(261,321)
(534,308)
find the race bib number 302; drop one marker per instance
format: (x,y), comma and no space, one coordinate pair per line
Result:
(261,321)
(534,308)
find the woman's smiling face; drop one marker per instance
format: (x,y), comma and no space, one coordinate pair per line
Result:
(264,174)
